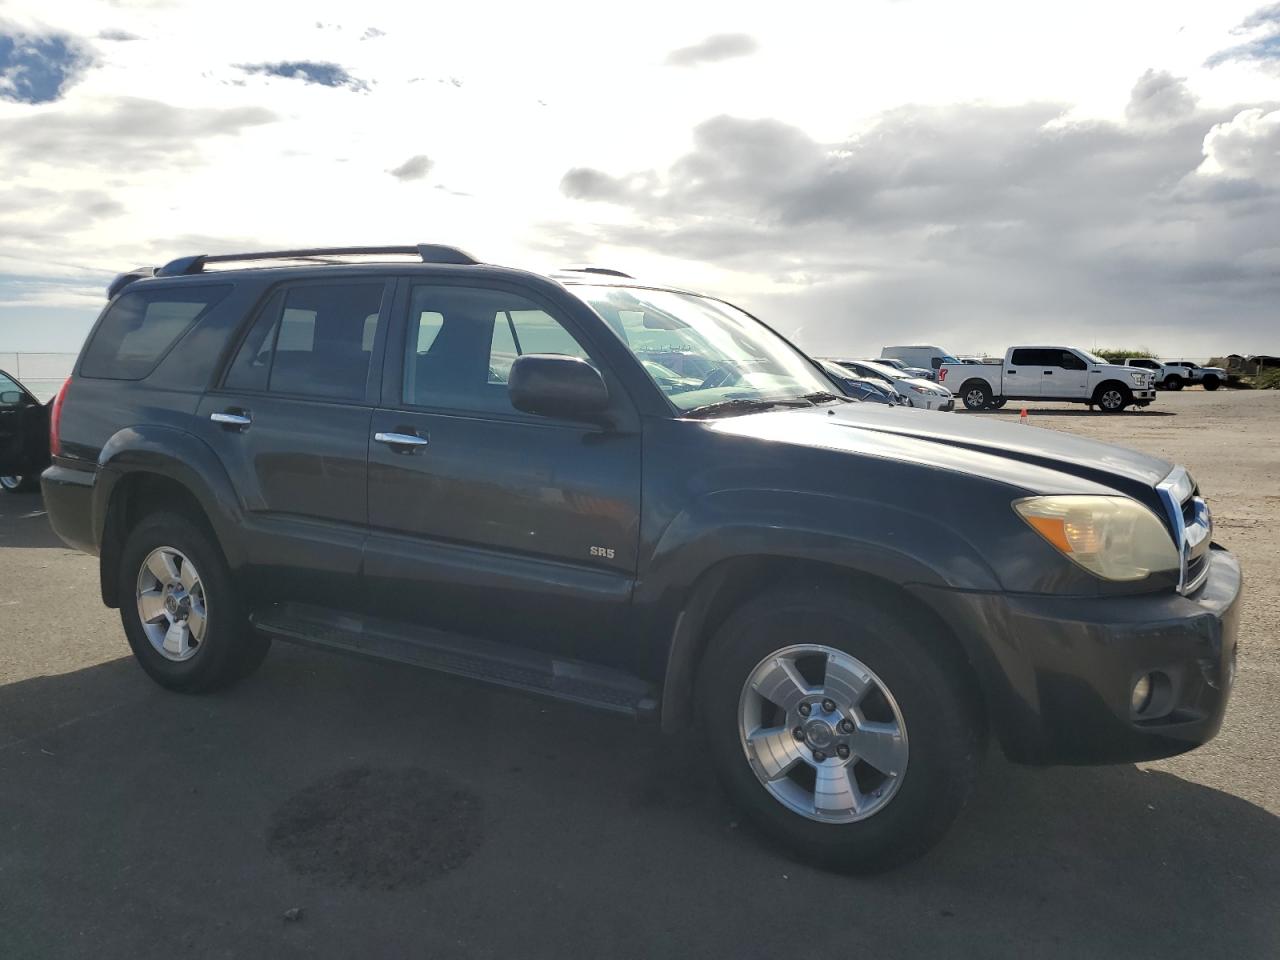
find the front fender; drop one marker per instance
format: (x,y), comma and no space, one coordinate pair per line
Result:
(893,543)
(684,573)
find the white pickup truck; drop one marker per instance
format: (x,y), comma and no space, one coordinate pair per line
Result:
(1049,373)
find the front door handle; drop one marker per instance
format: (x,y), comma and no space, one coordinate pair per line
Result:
(232,418)
(409,440)
(1048,373)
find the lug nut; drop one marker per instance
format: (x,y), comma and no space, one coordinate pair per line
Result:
(798,733)
(846,726)
(842,751)
(819,756)
(805,709)
(829,706)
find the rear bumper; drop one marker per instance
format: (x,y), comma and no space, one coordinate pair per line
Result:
(68,498)
(1059,672)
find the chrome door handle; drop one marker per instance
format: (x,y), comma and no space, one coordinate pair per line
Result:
(401,439)
(232,419)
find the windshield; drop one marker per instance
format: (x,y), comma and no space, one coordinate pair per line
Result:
(701,351)
(1093,357)
(891,373)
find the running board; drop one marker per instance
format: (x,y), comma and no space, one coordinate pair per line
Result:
(499,664)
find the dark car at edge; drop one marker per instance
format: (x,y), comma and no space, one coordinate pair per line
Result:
(405,454)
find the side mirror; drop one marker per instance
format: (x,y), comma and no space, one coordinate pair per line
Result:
(10,398)
(553,385)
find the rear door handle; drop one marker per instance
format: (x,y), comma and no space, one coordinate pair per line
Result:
(231,418)
(410,440)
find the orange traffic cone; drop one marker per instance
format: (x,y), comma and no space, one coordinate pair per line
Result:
(1023,416)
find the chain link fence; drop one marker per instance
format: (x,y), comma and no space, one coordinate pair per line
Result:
(41,373)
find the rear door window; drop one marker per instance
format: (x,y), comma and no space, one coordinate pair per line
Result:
(313,340)
(141,327)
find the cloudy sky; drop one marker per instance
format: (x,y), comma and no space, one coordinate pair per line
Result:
(859,173)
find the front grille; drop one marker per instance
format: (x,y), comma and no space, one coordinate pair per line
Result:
(1191,526)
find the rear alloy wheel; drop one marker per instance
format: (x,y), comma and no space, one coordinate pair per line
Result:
(19,484)
(180,608)
(976,396)
(810,738)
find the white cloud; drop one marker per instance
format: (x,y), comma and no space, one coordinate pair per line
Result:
(170,149)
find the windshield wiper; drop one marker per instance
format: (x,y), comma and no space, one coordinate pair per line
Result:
(743,404)
(822,396)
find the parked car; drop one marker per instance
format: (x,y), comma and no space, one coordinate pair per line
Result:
(920,373)
(860,388)
(24,437)
(1050,373)
(1166,378)
(912,391)
(1192,373)
(920,356)
(847,599)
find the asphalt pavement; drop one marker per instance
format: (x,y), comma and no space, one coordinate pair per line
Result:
(330,807)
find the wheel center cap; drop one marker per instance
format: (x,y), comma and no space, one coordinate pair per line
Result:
(819,733)
(171,604)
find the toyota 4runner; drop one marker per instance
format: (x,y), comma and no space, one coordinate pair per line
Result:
(403,453)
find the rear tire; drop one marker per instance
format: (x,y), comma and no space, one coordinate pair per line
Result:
(975,395)
(178,566)
(19,483)
(1173,383)
(918,713)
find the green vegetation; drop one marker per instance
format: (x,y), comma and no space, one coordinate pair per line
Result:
(1120,356)
(1268,380)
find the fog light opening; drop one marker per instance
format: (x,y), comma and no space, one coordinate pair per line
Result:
(1140,698)
(1152,696)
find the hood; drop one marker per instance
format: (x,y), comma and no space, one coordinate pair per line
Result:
(1035,458)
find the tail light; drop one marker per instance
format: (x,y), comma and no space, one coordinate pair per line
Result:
(942,374)
(55,419)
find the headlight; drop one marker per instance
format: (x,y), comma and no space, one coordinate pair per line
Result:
(1139,378)
(1112,537)
(919,389)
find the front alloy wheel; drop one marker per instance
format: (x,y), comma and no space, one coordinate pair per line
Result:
(822,733)
(1112,400)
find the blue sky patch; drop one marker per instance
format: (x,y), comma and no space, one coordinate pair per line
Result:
(308,71)
(38,69)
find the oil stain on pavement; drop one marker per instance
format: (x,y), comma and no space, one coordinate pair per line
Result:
(377,829)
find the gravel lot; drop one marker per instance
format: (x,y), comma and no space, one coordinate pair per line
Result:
(333,807)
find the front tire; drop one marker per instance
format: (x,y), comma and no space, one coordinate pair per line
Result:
(1212,383)
(181,612)
(843,732)
(1113,397)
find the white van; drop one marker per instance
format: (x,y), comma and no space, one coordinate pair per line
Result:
(930,358)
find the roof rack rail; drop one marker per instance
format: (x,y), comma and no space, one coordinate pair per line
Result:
(428,252)
(606,271)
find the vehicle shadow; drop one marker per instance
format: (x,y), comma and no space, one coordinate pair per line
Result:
(399,807)
(1073,411)
(24,522)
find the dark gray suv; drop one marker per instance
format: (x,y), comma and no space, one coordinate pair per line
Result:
(403,453)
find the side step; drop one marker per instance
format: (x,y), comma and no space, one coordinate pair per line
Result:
(484,660)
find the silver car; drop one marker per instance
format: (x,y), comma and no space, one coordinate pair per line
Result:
(914,391)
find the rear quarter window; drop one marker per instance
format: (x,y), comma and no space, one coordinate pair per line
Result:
(141,327)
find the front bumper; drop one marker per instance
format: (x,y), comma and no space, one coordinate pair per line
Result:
(1149,394)
(1058,672)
